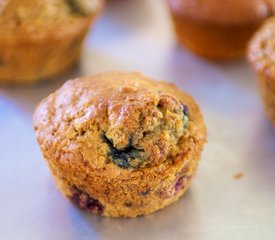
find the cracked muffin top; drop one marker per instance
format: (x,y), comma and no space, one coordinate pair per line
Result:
(261,51)
(118,120)
(38,18)
(224,11)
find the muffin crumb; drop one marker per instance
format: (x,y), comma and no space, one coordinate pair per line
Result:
(238,176)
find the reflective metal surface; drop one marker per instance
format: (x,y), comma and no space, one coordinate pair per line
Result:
(136,35)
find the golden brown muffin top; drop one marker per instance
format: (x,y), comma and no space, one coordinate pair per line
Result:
(38,18)
(122,119)
(223,11)
(261,51)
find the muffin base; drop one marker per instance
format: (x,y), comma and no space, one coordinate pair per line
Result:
(133,194)
(212,40)
(40,60)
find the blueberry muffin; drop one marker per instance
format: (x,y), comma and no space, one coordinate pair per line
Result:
(261,54)
(120,144)
(41,38)
(215,28)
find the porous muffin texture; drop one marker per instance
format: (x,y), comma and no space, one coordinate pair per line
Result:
(261,54)
(218,29)
(41,38)
(120,144)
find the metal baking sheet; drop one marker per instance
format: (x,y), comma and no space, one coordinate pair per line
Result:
(233,194)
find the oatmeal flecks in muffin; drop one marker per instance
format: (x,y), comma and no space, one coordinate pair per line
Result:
(131,144)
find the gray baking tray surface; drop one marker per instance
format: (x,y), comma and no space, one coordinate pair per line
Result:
(233,193)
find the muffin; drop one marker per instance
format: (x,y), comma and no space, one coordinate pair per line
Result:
(215,28)
(261,54)
(120,144)
(41,38)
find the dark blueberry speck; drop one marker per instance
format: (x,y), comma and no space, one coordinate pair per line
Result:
(75,7)
(180,184)
(85,202)
(128,204)
(144,193)
(185,109)
(124,158)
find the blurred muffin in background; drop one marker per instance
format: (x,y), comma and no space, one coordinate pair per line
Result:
(41,38)
(261,54)
(215,28)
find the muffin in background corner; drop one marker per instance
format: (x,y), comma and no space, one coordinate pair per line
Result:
(218,29)
(120,144)
(42,38)
(261,54)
